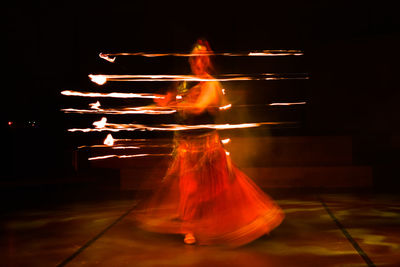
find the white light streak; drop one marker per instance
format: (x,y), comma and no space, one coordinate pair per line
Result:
(114,127)
(113,95)
(126,156)
(102,78)
(287,104)
(111,56)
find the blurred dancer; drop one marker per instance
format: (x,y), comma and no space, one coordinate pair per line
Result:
(204,196)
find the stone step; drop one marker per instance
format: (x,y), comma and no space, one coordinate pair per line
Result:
(291,151)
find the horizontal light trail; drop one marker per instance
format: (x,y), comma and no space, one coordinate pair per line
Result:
(124,147)
(112,56)
(112,95)
(138,110)
(112,127)
(287,104)
(103,78)
(126,156)
(154,110)
(112,147)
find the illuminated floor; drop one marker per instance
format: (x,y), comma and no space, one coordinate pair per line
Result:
(319,230)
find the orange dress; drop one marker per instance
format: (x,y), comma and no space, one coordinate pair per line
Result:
(204,193)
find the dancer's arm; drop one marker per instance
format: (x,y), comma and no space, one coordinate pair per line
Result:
(166,100)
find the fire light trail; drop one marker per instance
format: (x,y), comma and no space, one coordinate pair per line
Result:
(112,147)
(287,104)
(101,79)
(102,125)
(113,95)
(110,141)
(155,110)
(152,110)
(138,110)
(126,156)
(112,56)
(147,95)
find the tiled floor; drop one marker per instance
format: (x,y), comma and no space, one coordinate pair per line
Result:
(319,230)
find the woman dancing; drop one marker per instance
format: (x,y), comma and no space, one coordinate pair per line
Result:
(203,195)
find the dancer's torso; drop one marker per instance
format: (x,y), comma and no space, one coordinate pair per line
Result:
(204,119)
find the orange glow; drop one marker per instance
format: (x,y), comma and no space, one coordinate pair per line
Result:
(113,95)
(109,141)
(204,196)
(225,208)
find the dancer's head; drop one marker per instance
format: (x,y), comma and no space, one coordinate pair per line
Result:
(200,62)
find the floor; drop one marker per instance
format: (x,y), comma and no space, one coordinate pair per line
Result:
(320,229)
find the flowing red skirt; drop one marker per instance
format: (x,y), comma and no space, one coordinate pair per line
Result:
(205,194)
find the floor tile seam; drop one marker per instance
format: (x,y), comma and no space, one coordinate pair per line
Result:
(344,231)
(95,238)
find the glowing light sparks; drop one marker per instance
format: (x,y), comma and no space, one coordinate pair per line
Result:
(109,141)
(99,79)
(287,104)
(111,56)
(102,78)
(111,144)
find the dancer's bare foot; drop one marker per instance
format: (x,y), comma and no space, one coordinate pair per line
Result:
(189,239)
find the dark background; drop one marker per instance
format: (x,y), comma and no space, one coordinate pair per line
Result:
(351,55)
